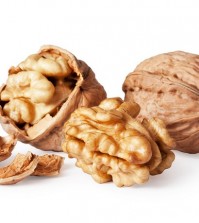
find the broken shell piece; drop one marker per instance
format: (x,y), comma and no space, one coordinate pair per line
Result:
(21,167)
(7,144)
(48,165)
(30,164)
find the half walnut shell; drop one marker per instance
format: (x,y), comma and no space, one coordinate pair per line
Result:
(70,84)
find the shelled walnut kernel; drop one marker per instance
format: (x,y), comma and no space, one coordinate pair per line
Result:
(110,144)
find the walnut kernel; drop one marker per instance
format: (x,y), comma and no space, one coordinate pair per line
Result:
(166,86)
(110,144)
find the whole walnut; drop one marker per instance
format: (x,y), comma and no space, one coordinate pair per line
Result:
(167,86)
(42,92)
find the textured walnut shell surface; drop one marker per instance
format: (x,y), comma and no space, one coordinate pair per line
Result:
(166,86)
(87,92)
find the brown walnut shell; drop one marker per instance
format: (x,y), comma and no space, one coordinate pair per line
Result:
(167,86)
(28,164)
(86,92)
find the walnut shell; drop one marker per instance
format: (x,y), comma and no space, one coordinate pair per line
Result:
(28,164)
(166,86)
(21,167)
(47,134)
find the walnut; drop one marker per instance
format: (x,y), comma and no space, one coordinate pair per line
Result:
(42,91)
(166,86)
(7,144)
(110,144)
(30,164)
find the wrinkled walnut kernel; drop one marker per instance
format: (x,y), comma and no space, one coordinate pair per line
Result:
(28,84)
(30,94)
(110,144)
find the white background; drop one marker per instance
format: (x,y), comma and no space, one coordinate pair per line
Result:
(112,37)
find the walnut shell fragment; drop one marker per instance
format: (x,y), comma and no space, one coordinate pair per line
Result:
(111,145)
(48,165)
(30,164)
(42,91)
(7,144)
(21,167)
(167,86)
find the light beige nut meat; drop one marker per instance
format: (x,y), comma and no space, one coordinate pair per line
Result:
(7,144)
(110,144)
(28,84)
(30,164)
(20,110)
(159,133)
(47,64)
(167,86)
(41,93)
